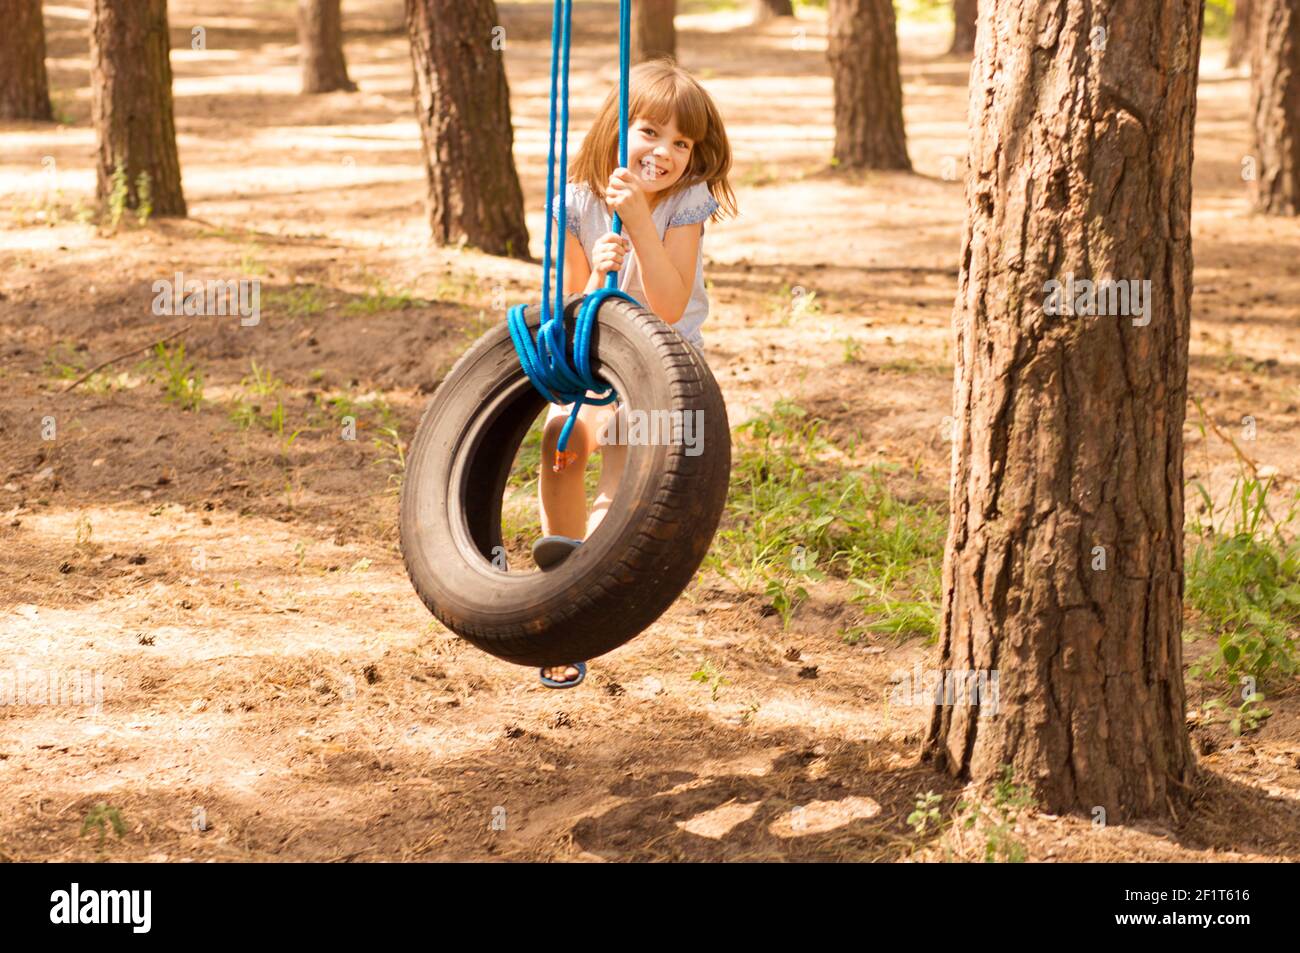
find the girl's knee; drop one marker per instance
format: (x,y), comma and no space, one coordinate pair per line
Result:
(604,429)
(578,442)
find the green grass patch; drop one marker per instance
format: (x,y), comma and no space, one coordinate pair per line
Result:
(460,287)
(379,297)
(366,410)
(796,516)
(300,301)
(1243,578)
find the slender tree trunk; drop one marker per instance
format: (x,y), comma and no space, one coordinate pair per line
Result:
(131,103)
(24,87)
(462,104)
(320,45)
(653,32)
(771,9)
(863,53)
(1275,106)
(1063,575)
(965,14)
(1243,15)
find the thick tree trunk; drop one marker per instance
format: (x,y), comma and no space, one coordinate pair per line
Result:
(24,87)
(131,103)
(1063,575)
(1243,15)
(1275,106)
(462,104)
(863,53)
(771,9)
(653,32)
(965,14)
(320,45)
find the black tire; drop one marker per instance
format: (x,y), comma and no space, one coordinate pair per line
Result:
(645,551)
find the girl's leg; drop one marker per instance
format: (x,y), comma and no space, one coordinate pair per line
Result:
(613,457)
(562,496)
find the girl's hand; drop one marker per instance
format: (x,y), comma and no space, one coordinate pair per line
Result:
(608,253)
(626,197)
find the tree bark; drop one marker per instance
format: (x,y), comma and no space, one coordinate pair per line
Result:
(131,103)
(24,85)
(1243,16)
(1063,572)
(320,46)
(1275,106)
(771,9)
(462,104)
(965,14)
(653,32)
(863,53)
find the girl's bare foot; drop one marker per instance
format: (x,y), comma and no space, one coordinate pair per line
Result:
(564,676)
(561,673)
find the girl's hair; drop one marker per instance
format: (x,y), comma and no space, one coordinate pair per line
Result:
(662,91)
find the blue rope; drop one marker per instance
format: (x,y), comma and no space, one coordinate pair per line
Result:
(545,361)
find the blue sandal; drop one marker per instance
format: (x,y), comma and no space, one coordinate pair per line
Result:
(552,550)
(571,683)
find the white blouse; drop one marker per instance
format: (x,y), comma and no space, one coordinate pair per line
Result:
(589,219)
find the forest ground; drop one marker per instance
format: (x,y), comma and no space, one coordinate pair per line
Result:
(273,688)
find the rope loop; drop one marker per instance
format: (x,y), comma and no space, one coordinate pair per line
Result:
(545,360)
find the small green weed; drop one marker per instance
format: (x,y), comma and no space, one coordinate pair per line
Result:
(119,193)
(926,814)
(259,386)
(102,817)
(1009,799)
(392,455)
(711,675)
(182,381)
(64,362)
(1243,720)
(143,198)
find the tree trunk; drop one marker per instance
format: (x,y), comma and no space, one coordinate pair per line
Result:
(965,14)
(131,103)
(320,46)
(1275,106)
(863,53)
(653,32)
(24,87)
(771,9)
(1063,573)
(462,104)
(1239,34)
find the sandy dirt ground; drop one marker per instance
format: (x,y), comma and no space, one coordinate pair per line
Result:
(268,686)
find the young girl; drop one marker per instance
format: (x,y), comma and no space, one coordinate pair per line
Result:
(676,178)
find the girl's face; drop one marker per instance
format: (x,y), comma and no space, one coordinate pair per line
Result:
(657,153)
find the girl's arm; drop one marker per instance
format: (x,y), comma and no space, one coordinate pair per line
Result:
(667,267)
(578,277)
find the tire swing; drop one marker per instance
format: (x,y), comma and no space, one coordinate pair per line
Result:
(672,492)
